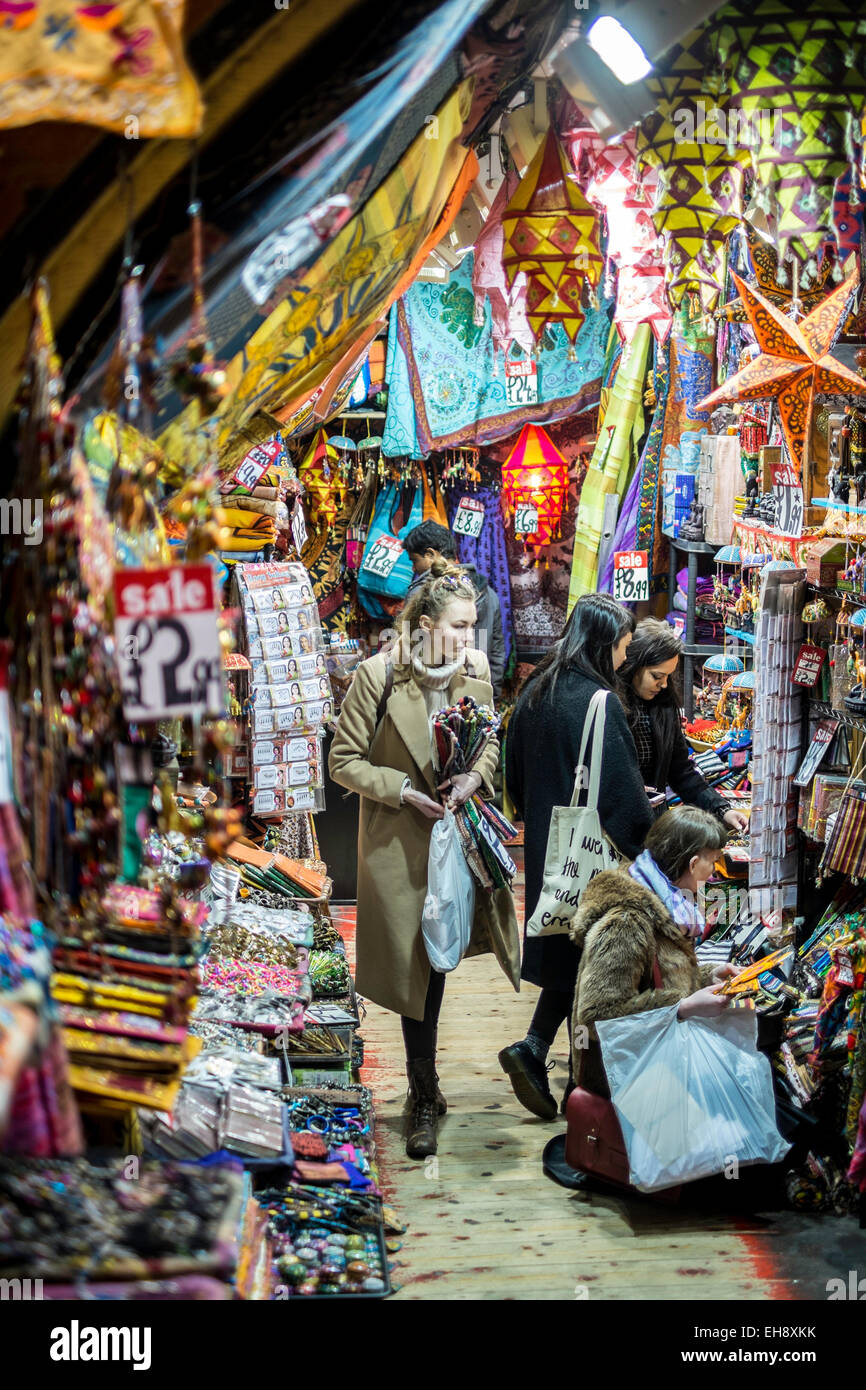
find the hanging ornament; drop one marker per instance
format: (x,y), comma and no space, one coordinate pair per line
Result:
(550,235)
(197,376)
(794,362)
(507,301)
(535,486)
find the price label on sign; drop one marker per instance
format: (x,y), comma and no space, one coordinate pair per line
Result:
(525,521)
(168,647)
(255,465)
(299,526)
(521,382)
(470,517)
(631,576)
(788,496)
(382,556)
(807,667)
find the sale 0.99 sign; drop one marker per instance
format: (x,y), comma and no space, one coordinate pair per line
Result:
(168,648)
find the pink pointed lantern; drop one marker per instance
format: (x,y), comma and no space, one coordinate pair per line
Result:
(535,486)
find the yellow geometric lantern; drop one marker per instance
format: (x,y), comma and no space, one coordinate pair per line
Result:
(319,474)
(535,486)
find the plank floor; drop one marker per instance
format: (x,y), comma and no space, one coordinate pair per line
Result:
(483,1222)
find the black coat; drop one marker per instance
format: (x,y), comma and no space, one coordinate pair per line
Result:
(541,755)
(672,767)
(489,637)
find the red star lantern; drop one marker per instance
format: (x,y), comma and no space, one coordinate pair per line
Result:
(794,363)
(550,234)
(535,485)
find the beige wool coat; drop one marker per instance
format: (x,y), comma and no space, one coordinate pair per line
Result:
(394,840)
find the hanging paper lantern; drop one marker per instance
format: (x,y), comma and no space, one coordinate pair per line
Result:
(794,362)
(550,234)
(535,486)
(318,472)
(798,75)
(507,304)
(744,681)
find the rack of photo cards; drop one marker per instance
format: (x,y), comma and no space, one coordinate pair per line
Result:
(291,699)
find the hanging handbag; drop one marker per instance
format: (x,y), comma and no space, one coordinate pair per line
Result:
(577,847)
(386,570)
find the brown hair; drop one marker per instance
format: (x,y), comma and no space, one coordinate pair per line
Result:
(446,583)
(654,641)
(681,833)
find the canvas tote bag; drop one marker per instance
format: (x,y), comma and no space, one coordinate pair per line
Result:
(577,847)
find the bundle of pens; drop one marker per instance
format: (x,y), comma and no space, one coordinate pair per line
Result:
(460,735)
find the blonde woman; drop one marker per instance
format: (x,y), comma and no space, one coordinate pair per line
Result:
(383,750)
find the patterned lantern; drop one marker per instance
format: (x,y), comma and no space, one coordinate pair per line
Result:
(319,474)
(550,234)
(535,486)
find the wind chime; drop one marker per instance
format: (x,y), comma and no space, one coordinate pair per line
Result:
(197,375)
(534,488)
(460,468)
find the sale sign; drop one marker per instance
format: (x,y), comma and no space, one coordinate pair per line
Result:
(788,496)
(521,382)
(631,576)
(382,556)
(168,647)
(256,463)
(807,667)
(470,517)
(525,519)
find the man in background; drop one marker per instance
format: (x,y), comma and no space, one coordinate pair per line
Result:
(429,542)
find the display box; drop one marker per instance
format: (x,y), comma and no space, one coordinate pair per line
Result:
(823,560)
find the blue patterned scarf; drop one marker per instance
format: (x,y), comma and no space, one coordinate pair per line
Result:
(680,905)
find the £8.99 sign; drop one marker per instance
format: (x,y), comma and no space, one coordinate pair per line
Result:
(630,576)
(168,647)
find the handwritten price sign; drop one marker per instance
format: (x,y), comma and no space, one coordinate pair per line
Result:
(382,556)
(168,648)
(470,518)
(256,463)
(525,520)
(788,495)
(521,382)
(630,576)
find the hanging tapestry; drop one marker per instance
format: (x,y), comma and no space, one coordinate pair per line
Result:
(451,388)
(347,287)
(487,552)
(119,66)
(611,463)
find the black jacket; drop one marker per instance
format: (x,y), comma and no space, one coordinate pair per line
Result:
(672,767)
(541,755)
(489,637)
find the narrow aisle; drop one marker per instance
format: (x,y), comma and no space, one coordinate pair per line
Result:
(483,1222)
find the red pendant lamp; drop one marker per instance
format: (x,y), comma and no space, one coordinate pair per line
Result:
(535,486)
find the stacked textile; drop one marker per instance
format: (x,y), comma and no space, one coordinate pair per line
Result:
(251,513)
(125,997)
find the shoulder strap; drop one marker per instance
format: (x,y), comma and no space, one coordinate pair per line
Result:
(593,728)
(386,693)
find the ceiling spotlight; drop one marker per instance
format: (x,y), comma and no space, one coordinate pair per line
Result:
(616,47)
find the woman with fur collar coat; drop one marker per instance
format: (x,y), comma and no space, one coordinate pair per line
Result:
(629,918)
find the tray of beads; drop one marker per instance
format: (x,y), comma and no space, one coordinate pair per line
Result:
(327,1244)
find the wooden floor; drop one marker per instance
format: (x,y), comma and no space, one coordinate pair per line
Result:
(485,1223)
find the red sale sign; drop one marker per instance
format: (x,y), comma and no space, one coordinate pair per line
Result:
(630,576)
(167,640)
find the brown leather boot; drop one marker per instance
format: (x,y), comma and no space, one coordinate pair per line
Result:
(423,1112)
(441,1102)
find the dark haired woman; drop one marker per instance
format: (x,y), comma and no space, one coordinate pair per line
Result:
(542,753)
(652,702)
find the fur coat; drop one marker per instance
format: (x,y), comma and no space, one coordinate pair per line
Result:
(621,927)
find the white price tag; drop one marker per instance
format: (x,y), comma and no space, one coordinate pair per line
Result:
(256,463)
(788,496)
(521,382)
(631,576)
(168,648)
(299,526)
(469,518)
(382,556)
(525,520)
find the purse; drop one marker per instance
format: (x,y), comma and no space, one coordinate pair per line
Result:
(577,847)
(594,1140)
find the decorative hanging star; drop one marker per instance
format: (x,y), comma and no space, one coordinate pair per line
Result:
(795,362)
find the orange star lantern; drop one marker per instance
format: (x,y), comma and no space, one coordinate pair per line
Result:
(550,234)
(319,474)
(534,486)
(794,363)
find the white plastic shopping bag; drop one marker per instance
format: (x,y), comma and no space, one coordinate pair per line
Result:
(693,1097)
(446,922)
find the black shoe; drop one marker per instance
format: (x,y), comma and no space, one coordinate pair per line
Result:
(528,1079)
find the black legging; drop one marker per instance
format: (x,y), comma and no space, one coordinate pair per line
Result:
(551,1011)
(419,1039)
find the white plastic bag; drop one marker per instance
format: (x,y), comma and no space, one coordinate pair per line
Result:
(446,922)
(693,1097)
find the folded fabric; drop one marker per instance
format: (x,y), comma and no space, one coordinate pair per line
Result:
(254,504)
(249,521)
(250,546)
